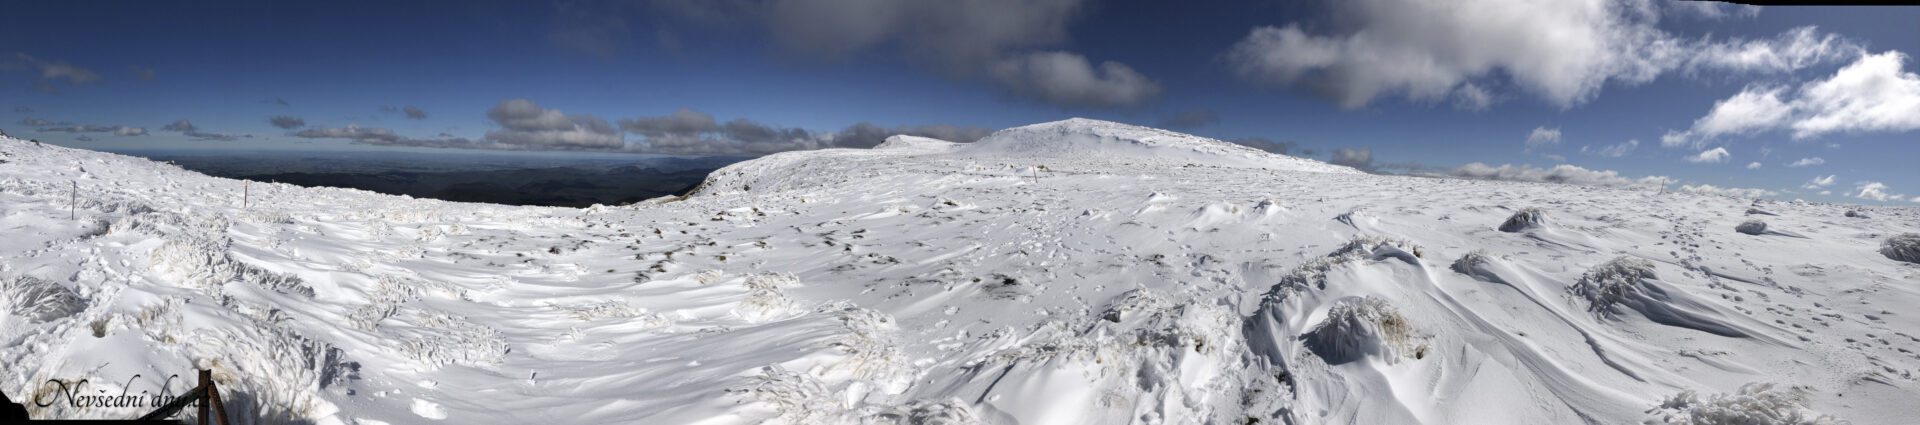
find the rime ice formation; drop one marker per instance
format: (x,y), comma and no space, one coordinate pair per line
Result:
(1075,272)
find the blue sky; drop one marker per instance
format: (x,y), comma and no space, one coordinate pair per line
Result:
(1393,85)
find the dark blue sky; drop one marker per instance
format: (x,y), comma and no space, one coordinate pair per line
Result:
(1697,93)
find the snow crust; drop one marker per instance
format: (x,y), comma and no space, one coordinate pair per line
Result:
(1076,272)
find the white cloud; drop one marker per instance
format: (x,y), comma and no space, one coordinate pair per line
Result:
(1563,173)
(1543,137)
(1871,190)
(117,130)
(1710,156)
(1713,10)
(1728,191)
(1795,49)
(682,121)
(188,129)
(1003,40)
(1803,162)
(523,123)
(51,71)
(691,132)
(1561,51)
(1361,159)
(1615,151)
(1067,79)
(1873,94)
(286,122)
(1471,97)
(1752,110)
(1819,182)
(375,136)
(1753,166)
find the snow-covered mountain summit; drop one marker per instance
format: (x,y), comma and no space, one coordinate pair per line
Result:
(1089,139)
(1076,145)
(1076,272)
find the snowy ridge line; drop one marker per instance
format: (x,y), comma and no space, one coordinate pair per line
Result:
(1108,145)
(1098,279)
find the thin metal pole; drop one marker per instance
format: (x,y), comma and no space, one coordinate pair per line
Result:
(243,193)
(73,203)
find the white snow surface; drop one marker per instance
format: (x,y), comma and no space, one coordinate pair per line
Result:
(1076,272)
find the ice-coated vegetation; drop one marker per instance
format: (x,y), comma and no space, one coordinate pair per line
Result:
(1752,404)
(1075,272)
(1902,247)
(1368,326)
(1610,283)
(1525,219)
(39,299)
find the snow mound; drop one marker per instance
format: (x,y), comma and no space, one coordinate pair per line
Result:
(1753,404)
(1214,214)
(1081,138)
(1313,273)
(1360,327)
(1752,227)
(1268,207)
(1856,214)
(1528,218)
(1902,247)
(767,299)
(1631,283)
(1477,264)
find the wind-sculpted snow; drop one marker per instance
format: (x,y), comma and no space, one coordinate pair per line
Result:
(1077,272)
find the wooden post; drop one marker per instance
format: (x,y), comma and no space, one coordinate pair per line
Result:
(73,203)
(206,379)
(244,185)
(219,409)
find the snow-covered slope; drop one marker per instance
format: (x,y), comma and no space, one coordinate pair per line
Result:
(1085,140)
(1062,273)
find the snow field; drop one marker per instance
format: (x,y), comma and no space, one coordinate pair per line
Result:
(1072,272)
